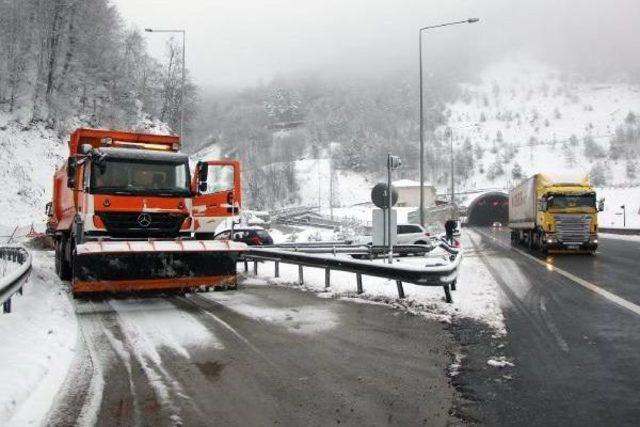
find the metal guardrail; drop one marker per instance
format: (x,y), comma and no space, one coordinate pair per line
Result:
(344,247)
(14,280)
(623,231)
(432,275)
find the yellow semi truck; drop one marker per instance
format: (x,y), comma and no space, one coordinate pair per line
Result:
(554,214)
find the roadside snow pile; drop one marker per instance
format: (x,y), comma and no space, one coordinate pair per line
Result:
(7,267)
(614,198)
(39,338)
(476,297)
(500,362)
(628,238)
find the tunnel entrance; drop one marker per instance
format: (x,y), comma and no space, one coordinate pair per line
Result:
(489,208)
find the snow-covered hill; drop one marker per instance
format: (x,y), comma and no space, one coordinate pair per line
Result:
(524,117)
(29,155)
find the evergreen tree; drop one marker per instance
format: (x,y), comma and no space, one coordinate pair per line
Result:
(516,172)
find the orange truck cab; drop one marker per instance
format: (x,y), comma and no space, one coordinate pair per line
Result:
(128,214)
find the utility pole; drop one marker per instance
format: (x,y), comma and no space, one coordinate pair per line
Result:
(331,179)
(453,199)
(421,160)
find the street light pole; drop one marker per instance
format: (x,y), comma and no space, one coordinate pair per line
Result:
(453,209)
(182,85)
(466,21)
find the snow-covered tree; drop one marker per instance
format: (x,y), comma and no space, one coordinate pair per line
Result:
(597,175)
(516,172)
(495,169)
(284,106)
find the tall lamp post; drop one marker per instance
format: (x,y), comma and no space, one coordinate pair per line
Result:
(151,30)
(429,27)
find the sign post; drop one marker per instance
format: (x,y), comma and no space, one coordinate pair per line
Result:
(393,162)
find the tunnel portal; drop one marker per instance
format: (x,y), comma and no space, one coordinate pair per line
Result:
(489,208)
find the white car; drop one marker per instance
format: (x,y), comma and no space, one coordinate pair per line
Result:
(408,234)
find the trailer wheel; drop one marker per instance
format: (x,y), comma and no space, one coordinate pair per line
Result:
(63,265)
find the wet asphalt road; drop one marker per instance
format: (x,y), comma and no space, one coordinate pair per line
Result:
(257,356)
(576,354)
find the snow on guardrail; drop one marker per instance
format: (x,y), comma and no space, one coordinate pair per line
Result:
(15,268)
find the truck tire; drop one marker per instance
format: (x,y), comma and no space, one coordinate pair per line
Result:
(63,264)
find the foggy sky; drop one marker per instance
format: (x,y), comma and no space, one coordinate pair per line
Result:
(244,42)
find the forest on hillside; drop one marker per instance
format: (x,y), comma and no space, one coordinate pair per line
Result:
(74,62)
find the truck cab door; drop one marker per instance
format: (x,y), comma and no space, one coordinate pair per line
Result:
(218,193)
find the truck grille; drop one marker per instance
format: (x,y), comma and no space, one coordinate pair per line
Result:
(573,228)
(143,224)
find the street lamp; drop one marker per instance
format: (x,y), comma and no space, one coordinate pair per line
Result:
(466,21)
(150,30)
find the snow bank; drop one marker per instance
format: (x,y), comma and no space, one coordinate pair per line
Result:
(613,199)
(38,343)
(477,294)
(628,238)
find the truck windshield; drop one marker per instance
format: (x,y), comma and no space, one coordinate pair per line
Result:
(119,176)
(572,201)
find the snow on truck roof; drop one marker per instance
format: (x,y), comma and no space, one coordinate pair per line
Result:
(139,154)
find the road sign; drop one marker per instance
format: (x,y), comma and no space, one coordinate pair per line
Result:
(380,197)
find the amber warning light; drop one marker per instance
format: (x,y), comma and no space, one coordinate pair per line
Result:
(147,146)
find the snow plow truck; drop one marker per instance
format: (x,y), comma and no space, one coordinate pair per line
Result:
(128,215)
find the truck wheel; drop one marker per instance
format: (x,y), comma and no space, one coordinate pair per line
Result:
(63,265)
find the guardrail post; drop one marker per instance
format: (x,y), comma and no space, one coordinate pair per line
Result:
(447,294)
(359,283)
(453,285)
(6,307)
(400,289)
(255,267)
(246,265)
(277,268)
(300,275)
(327,277)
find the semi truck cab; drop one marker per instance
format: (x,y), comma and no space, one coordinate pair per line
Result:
(569,219)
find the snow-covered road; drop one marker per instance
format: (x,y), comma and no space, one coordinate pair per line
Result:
(262,354)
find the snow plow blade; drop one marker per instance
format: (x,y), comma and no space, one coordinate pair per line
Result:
(124,266)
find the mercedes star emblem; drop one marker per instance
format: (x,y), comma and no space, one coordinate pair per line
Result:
(144,219)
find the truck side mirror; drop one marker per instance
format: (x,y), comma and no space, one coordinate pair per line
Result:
(601,205)
(49,209)
(72,166)
(203,174)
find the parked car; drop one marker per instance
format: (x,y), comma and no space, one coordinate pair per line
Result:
(408,234)
(252,236)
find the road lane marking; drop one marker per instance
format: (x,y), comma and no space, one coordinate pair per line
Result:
(588,285)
